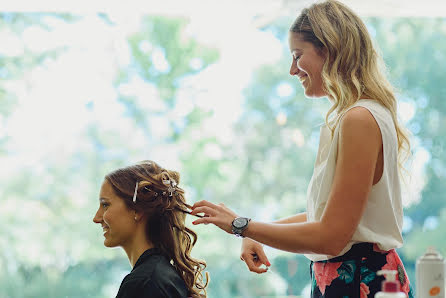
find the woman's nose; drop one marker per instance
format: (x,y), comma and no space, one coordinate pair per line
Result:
(97,217)
(294,69)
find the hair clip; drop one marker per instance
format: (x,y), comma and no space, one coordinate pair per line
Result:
(171,186)
(136,190)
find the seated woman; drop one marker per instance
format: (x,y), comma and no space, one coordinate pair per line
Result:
(142,209)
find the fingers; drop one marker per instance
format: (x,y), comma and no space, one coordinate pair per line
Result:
(219,215)
(204,203)
(218,208)
(254,256)
(253,264)
(262,257)
(204,220)
(207,219)
(204,209)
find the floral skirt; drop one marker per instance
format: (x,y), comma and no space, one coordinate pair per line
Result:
(354,273)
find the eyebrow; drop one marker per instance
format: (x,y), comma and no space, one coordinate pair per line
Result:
(102,200)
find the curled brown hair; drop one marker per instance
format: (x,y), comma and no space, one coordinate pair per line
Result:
(166,216)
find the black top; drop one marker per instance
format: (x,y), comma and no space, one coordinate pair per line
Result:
(152,277)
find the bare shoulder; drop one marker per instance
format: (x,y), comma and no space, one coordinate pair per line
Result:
(359,133)
(360,122)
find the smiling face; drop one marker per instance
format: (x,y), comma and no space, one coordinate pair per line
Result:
(307,65)
(117,220)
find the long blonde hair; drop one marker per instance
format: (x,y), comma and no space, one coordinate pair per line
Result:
(166,215)
(353,69)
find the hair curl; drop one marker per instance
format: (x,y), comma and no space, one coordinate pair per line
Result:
(353,69)
(165,226)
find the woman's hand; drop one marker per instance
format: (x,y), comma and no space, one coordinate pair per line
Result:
(253,255)
(219,215)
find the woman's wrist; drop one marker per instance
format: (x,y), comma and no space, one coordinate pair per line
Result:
(239,225)
(247,231)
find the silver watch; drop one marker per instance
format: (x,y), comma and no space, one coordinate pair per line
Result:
(239,224)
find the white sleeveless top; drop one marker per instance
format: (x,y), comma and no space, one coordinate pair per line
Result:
(382,220)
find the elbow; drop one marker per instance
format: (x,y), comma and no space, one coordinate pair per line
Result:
(335,249)
(330,248)
(334,243)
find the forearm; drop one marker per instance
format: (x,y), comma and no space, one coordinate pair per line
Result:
(298,218)
(308,237)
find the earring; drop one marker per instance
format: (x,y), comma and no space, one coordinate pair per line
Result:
(135,218)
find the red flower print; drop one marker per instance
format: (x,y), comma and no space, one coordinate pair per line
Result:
(394,263)
(364,290)
(391,261)
(325,273)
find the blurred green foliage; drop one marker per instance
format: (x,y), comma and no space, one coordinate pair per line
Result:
(48,245)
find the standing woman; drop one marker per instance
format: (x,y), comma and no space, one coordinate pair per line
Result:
(354,215)
(142,209)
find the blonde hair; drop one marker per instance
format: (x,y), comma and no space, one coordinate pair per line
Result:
(165,226)
(352,69)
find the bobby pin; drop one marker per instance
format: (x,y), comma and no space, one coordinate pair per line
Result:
(188,212)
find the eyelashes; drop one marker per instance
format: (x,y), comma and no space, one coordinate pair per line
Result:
(296,57)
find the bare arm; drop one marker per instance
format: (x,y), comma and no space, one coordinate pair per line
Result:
(359,146)
(300,217)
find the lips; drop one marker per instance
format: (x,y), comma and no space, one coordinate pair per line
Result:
(105,229)
(303,78)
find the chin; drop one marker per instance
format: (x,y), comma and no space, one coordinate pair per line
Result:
(312,94)
(108,243)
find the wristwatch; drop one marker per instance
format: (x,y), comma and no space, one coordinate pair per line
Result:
(239,224)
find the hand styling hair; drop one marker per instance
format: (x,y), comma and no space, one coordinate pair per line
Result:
(166,216)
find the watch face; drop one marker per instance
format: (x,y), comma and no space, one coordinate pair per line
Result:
(240,222)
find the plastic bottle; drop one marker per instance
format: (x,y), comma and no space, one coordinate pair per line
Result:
(430,275)
(390,288)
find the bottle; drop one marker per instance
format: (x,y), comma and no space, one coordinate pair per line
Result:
(390,288)
(430,274)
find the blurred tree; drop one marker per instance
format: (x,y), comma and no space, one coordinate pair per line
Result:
(414,50)
(48,247)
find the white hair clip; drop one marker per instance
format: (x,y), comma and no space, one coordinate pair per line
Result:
(172,184)
(136,190)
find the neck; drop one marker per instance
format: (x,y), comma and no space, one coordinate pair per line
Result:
(137,246)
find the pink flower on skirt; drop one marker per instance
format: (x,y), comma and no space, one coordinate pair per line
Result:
(325,273)
(394,263)
(364,290)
